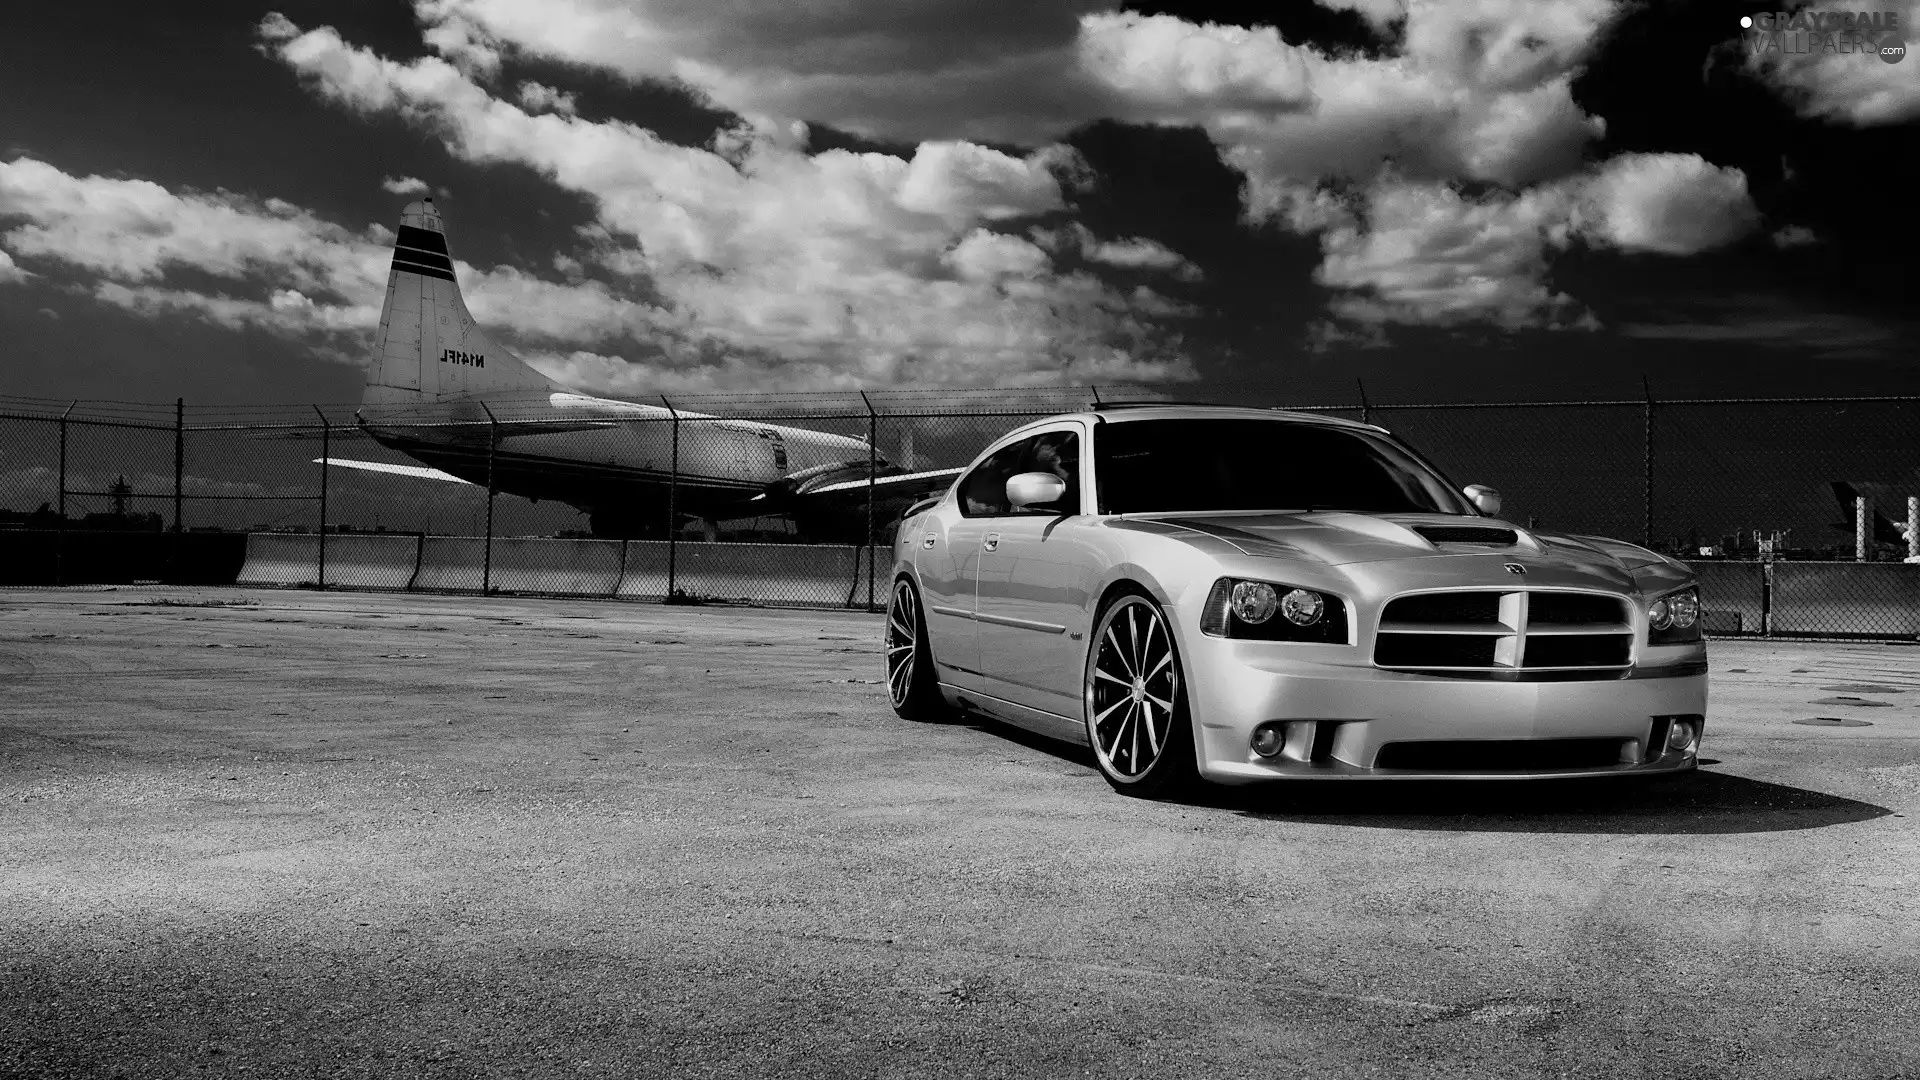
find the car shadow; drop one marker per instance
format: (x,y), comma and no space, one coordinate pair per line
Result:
(1700,802)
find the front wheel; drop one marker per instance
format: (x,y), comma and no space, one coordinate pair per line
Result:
(912,687)
(1136,702)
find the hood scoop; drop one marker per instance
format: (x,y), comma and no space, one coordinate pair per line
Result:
(1468,534)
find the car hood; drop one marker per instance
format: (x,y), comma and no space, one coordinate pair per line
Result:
(1340,538)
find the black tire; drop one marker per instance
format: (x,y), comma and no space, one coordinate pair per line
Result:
(1138,722)
(912,687)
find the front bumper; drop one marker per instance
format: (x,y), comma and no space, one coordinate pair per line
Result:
(1235,686)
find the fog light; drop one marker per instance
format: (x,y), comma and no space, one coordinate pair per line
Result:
(1680,736)
(1268,739)
(1302,608)
(1254,602)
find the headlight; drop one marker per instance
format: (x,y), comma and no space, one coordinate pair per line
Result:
(1302,607)
(1238,608)
(1254,602)
(1674,618)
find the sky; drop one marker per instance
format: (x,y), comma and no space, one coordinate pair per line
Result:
(1447,199)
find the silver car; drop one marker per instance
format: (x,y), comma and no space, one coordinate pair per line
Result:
(1236,595)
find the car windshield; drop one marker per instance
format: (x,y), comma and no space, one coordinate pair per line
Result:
(1149,466)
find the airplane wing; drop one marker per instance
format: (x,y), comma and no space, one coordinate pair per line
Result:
(418,472)
(809,492)
(906,485)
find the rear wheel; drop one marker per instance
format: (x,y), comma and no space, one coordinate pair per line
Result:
(1136,702)
(912,687)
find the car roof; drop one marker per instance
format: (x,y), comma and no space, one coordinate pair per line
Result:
(1122,412)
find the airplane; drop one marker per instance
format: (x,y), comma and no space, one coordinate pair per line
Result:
(1879,496)
(443,392)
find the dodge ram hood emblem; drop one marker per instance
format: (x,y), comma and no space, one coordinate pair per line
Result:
(1515,568)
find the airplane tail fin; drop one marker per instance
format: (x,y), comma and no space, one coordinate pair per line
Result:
(1885,529)
(429,346)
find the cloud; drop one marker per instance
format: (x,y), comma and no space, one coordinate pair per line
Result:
(1793,236)
(10,274)
(1852,87)
(1478,91)
(278,267)
(537,97)
(899,69)
(1673,204)
(1130,253)
(1377,154)
(404,185)
(1425,253)
(873,267)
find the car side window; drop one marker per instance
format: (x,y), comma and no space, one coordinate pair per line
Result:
(983,493)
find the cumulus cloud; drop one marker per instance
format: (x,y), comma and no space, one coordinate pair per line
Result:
(283,269)
(1424,253)
(404,185)
(875,267)
(1374,154)
(10,274)
(1479,91)
(900,69)
(1129,253)
(1430,255)
(538,97)
(1850,87)
(1674,204)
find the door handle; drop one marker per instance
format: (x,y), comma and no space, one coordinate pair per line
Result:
(992,542)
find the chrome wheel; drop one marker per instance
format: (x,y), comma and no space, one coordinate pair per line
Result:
(902,643)
(1133,693)
(913,687)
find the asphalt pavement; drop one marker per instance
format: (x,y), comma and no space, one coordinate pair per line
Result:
(294,834)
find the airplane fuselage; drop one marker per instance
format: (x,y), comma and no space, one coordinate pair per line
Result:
(619,461)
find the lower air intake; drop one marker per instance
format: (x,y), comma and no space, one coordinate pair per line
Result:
(1500,755)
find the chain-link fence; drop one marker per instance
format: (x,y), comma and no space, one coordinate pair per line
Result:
(1798,514)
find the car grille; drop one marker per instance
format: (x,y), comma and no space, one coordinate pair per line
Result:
(1501,755)
(1521,634)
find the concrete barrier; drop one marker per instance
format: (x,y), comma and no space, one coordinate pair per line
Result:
(281,559)
(563,567)
(1879,599)
(823,575)
(451,564)
(644,574)
(1731,596)
(375,562)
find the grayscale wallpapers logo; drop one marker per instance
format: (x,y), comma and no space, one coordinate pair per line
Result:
(1800,33)
(1515,568)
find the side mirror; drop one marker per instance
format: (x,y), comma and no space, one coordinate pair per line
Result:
(1484,498)
(1029,488)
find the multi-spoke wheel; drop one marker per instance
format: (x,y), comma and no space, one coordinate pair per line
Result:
(911,684)
(1136,701)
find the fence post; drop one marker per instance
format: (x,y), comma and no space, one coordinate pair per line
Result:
(1647,493)
(1913,527)
(1366,410)
(60,538)
(873,465)
(673,507)
(326,451)
(1862,529)
(179,460)
(486,558)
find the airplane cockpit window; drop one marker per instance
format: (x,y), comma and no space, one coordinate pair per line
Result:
(983,493)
